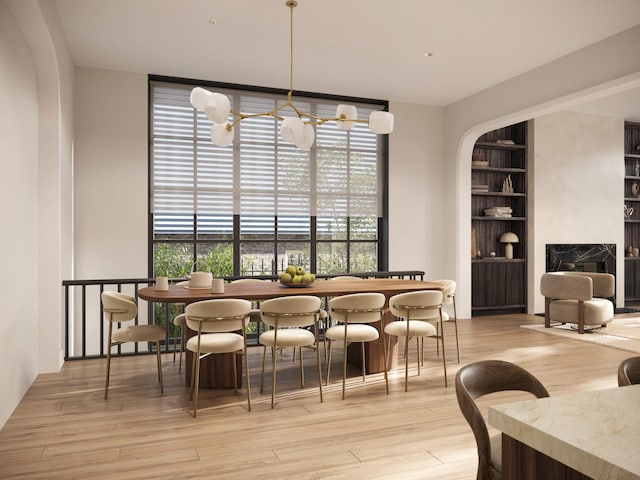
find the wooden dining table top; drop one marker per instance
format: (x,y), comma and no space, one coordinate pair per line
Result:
(266,290)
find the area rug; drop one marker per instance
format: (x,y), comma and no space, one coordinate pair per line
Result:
(621,333)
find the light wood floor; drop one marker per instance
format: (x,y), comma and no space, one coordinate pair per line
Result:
(63,428)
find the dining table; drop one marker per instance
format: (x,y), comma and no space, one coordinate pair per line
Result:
(215,371)
(584,435)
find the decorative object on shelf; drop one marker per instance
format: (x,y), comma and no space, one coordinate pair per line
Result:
(478,254)
(477,157)
(638,149)
(492,254)
(628,211)
(479,163)
(500,212)
(297,128)
(509,238)
(505,142)
(479,188)
(636,169)
(636,252)
(635,189)
(507,185)
(629,251)
(474,249)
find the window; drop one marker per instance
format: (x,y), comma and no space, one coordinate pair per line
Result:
(253,208)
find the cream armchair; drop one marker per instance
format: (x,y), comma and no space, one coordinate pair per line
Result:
(577,297)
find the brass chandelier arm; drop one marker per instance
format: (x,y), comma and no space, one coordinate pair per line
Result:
(298,131)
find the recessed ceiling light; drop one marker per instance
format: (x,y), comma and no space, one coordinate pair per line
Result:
(213,21)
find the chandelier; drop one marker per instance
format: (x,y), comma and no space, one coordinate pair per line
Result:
(297,129)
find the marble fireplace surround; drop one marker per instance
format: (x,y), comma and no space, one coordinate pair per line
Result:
(581,257)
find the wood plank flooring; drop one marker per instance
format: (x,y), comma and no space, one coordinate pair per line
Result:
(63,428)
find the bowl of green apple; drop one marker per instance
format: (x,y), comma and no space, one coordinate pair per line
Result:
(296,277)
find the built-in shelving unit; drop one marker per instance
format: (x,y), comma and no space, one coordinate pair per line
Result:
(632,212)
(499,180)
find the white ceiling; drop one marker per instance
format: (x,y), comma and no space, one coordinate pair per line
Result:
(362,48)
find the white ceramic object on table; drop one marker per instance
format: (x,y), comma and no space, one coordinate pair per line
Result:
(217,285)
(162,284)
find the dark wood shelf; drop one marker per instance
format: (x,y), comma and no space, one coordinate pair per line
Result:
(498,285)
(501,260)
(631,161)
(499,170)
(500,219)
(498,194)
(499,146)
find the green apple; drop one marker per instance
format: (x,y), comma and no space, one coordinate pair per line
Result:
(285,277)
(307,278)
(297,279)
(300,271)
(291,270)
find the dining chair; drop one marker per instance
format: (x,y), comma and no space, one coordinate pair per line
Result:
(290,318)
(415,312)
(629,372)
(217,323)
(355,314)
(449,299)
(483,378)
(119,308)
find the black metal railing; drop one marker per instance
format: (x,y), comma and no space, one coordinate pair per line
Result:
(85,327)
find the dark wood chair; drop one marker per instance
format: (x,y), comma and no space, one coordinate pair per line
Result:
(482,378)
(629,372)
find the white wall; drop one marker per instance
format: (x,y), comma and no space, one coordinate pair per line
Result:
(416,190)
(111,170)
(36,97)
(578,189)
(19,211)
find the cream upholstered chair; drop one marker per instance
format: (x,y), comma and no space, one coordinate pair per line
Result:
(483,378)
(120,307)
(415,312)
(217,323)
(355,313)
(629,372)
(290,318)
(449,298)
(578,297)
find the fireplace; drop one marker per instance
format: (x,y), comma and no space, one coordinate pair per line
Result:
(581,257)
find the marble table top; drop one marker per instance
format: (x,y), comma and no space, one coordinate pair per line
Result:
(596,433)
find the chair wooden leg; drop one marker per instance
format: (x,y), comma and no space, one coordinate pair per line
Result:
(317,347)
(273,376)
(455,323)
(418,353)
(247,375)
(301,369)
(444,361)
(328,358)
(109,345)
(197,382)
(264,358)
(183,338)
(106,383)
(406,365)
(580,316)
(386,365)
(159,366)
